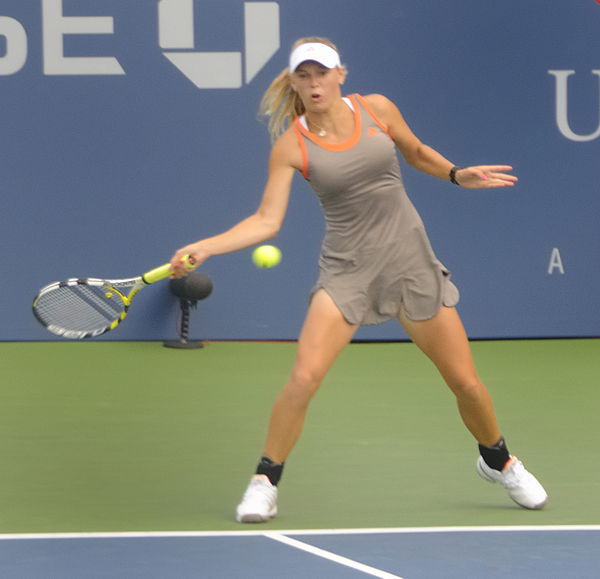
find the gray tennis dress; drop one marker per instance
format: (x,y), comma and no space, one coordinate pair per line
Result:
(376,258)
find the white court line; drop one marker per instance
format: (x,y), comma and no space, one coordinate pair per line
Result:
(455,529)
(330,556)
(296,532)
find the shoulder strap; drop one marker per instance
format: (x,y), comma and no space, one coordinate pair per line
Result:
(302,144)
(368,109)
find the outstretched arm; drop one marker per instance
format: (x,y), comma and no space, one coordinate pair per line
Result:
(428,160)
(261,225)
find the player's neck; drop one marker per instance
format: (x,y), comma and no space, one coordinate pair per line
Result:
(335,122)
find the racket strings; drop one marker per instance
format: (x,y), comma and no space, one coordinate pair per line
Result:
(79,308)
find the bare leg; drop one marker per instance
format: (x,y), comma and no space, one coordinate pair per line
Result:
(323,337)
(444,341)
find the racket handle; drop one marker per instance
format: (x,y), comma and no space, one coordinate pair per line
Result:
(164,271)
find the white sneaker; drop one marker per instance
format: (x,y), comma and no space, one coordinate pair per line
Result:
(522,486)
(259,502)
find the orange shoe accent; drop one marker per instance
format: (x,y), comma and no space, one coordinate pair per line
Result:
(508,463)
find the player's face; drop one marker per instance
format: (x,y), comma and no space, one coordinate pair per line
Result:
(317,86)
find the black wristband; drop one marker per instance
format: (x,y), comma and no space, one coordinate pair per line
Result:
(453,174)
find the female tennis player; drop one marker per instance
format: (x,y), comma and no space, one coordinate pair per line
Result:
(376,262)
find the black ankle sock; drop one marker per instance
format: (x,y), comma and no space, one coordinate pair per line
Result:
(495,456)
(270,468)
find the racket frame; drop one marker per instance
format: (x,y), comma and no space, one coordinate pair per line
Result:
(109,285)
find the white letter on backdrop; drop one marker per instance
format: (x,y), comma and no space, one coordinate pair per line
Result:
(55,26)
(555,262)
(16,46)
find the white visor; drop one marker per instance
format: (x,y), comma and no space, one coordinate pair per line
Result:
(314,51)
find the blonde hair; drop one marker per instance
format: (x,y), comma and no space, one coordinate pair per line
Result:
(281,103)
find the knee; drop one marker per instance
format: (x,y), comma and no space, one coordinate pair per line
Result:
(303,384)
(467,387)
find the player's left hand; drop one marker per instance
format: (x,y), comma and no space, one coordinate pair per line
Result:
(485,177)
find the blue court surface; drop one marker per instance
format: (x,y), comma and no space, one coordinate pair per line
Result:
(411,553)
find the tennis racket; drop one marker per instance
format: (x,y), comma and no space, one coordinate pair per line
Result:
(81,308)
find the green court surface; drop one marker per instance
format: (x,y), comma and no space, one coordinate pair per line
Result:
(132,436)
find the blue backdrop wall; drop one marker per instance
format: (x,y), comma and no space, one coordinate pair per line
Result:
(128,129)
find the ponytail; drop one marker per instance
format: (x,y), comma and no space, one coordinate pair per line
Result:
(281,104)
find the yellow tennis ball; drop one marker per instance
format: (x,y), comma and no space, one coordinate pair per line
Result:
(266,256)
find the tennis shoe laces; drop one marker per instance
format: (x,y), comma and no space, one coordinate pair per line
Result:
(521,485)
(259,503)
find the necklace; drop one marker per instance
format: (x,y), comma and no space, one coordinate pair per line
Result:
(322,132)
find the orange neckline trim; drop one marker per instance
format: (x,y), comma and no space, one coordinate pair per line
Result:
(336,147)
